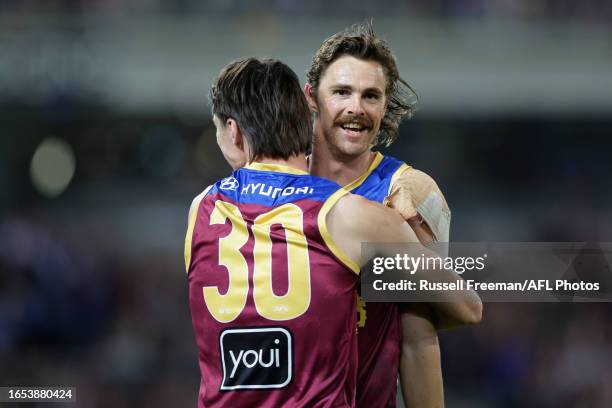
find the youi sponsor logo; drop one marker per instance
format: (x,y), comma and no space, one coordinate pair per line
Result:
(256,358)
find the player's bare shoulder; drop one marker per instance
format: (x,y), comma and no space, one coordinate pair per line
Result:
(414,191)
(419,184)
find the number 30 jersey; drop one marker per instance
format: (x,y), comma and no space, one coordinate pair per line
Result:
(273,300)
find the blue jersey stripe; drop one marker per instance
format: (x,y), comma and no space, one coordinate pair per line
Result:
(270,188)
(376,186)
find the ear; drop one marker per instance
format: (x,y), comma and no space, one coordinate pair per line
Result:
(235,133)
(311,98)
(240,142)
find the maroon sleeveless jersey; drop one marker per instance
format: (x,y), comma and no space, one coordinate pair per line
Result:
(273,300)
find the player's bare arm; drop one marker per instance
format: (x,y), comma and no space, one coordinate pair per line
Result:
(420,365)
(420,370)
(371,222)
(417,197)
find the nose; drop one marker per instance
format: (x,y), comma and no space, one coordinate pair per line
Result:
(355,107)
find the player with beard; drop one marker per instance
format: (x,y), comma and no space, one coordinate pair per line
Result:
(272,260)
(358,100)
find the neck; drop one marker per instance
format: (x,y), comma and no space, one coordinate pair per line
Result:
(342,169)
(298,162)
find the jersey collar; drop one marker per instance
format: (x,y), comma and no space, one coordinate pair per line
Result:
(278,168)
(356,183)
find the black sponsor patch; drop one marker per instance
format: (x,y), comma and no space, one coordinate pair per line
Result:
(256,358)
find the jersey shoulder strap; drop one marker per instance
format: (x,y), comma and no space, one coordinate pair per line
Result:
(191,219)
(375,183)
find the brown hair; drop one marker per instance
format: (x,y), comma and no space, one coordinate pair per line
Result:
(265,98)
(359,41)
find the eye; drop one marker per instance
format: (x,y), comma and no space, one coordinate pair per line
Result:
(341,92)
(372,96)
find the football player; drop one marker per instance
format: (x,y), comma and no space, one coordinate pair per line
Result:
(358,100)
(273,255)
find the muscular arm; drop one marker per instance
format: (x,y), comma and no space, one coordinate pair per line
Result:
(421,380)
(420,371)
(373,223)
(420,363)
(417,197)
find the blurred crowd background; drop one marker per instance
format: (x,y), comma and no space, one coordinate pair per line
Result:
(523,9)
(106,136)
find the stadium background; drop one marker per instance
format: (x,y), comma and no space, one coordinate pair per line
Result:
(106,136)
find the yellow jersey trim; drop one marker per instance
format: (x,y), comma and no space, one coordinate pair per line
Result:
(321,221)
(193,215)
(397,174)
(279,168)
(356,183)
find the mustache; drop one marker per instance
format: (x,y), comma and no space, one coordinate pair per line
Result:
(365,122)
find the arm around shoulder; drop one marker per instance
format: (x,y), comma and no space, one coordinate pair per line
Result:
(355,220)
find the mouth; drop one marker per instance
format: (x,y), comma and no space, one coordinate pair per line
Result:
(354,128)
